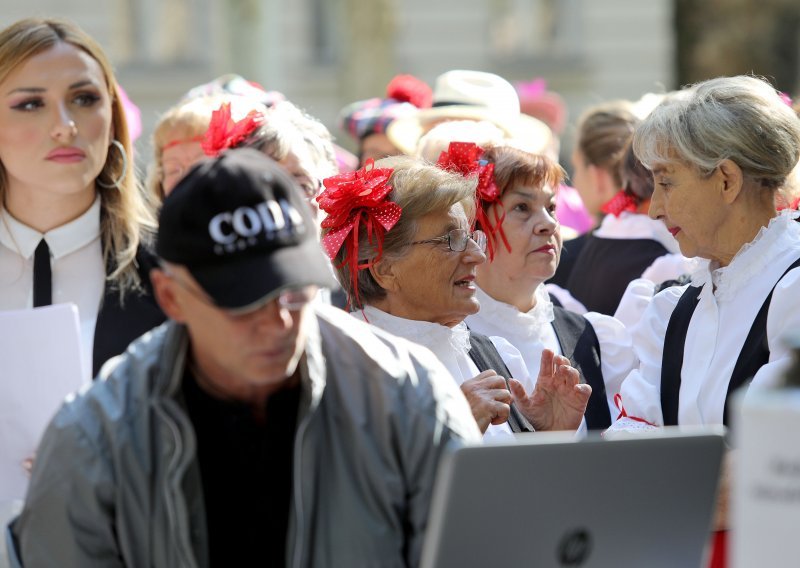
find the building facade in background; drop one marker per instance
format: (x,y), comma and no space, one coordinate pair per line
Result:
(323,54)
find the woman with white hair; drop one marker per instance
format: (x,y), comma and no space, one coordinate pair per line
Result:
(719,151)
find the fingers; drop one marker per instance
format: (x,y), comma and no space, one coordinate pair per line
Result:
(566,373)
(501,413)
(517,390)
(486,380)
(546,365)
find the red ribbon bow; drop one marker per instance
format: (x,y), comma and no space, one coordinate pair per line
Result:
(621,202)
(223,132)
(465,158)
(350,200)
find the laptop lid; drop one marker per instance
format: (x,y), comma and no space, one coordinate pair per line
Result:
(552,501)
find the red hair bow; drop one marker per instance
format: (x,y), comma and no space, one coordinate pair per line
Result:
(350,200)
(465,158)
(621,202)
(223,132)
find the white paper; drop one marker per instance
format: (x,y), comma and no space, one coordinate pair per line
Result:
(766,495)
(41,362)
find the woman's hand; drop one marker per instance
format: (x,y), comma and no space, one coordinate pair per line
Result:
(488,398)
(558,400)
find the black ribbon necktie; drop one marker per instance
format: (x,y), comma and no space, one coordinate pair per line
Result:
(42,277)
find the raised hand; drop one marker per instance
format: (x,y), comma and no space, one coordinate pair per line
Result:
(558,400)
(488,399)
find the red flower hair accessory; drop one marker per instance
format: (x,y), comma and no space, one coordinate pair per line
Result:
(353,199)
(465,158)
(223,132)
(621,202)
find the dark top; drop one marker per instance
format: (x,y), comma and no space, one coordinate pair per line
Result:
(485,356)
(580,345)
(605,267)
(570,251)
(120,323)
(246,470)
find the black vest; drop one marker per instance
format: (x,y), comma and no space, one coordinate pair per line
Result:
(570,251)
(580,345)
(483,352)
(753,356)
(605,267)
(120,323)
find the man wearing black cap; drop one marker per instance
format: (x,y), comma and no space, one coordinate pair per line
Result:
(257,427)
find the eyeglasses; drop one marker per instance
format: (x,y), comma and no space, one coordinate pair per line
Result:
(291,299)
(309,186)
(457,240)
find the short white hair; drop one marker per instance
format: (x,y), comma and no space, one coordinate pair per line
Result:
(738,118)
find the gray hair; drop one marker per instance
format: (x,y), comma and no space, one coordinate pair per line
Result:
(287,125)
(419,188)
(741,118)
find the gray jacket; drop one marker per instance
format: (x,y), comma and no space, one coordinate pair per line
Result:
(116,482)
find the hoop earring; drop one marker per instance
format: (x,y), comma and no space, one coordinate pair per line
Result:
(115,184)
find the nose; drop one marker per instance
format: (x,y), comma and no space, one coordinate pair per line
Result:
(274,317)
(546,224)
(656,209)
(473,253)
(64,128)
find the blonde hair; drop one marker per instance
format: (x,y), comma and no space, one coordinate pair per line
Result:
(285,126)
(126,218)
(741,118)
(419,189)
(187,120)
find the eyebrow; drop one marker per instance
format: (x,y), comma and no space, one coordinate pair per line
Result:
(658,170)
(76,85)
(548,195)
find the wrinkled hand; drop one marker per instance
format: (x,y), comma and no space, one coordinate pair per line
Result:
(488,398)
(558,400)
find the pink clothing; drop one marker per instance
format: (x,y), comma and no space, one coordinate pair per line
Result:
(570,210)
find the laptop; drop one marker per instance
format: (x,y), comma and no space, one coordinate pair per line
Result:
(551,501)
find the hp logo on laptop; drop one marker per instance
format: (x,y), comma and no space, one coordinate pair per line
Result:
(574,548)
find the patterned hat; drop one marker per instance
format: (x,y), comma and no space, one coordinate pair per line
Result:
(405,95)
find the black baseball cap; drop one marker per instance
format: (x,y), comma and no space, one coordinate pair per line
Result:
(240,224)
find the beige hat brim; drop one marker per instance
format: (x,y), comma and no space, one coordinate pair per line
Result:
(405,132)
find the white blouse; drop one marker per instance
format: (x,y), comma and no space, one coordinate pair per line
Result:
(76,263)
(451,346)
(530,333)
(725,312)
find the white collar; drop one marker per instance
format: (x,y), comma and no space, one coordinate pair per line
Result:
(425,333)
(62,240)
(753,259)
(512,322)
(636,226)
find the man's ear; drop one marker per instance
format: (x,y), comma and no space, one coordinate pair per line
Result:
(731,180)
(164,291)
(384,274)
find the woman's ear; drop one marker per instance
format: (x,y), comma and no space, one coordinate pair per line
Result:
(731,180)
(385,275)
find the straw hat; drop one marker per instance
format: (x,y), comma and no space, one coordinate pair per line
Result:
(471,95)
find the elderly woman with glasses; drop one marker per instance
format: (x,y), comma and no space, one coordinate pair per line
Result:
(400,236)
